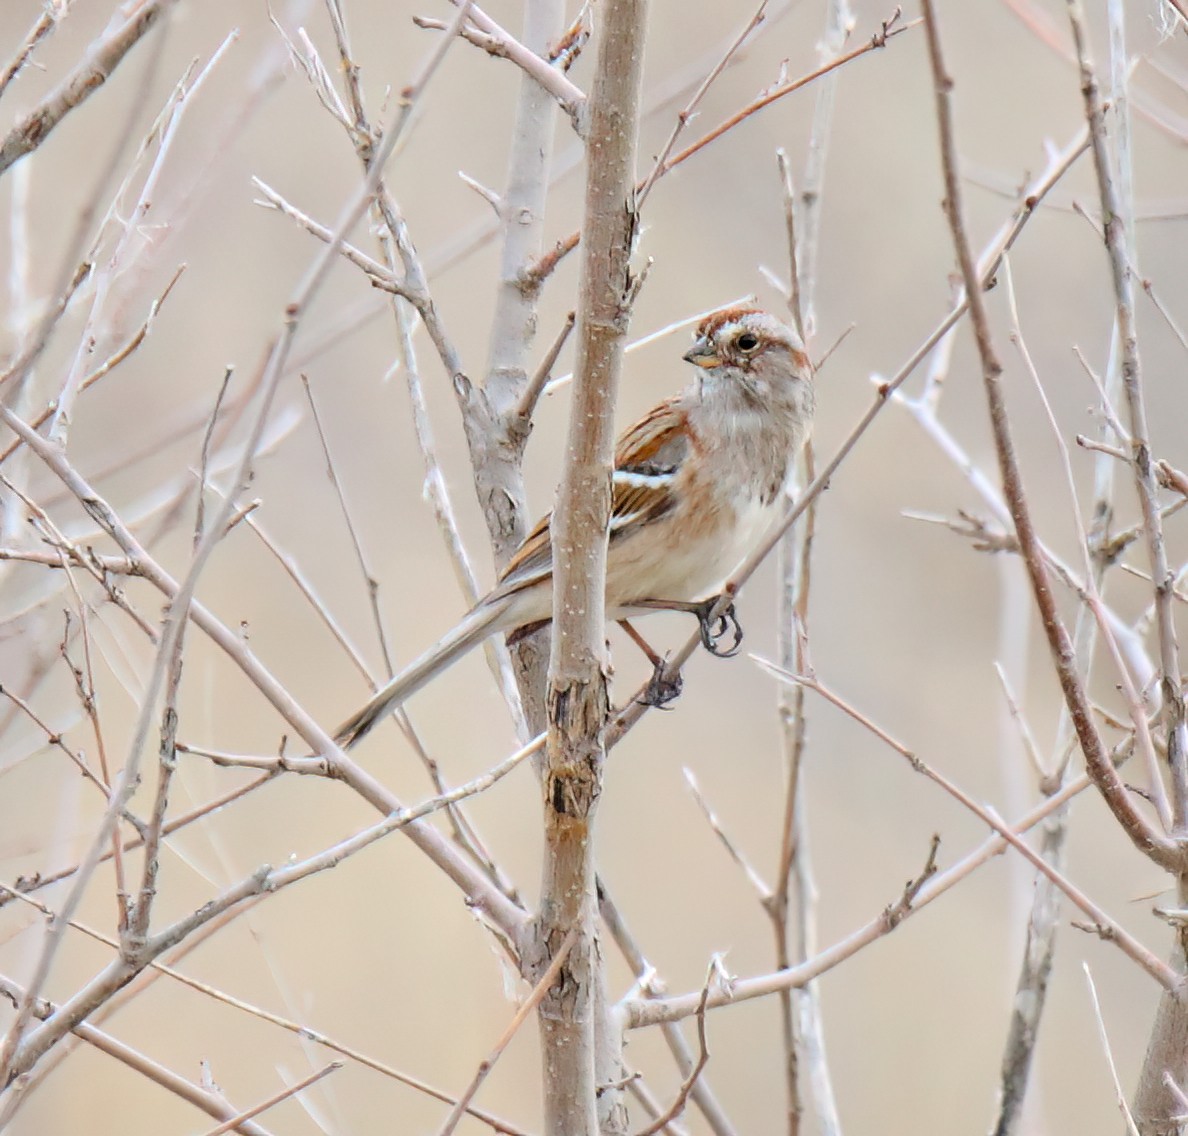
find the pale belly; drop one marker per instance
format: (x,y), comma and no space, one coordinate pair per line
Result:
(690,569)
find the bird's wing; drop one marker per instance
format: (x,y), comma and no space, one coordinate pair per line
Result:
(647,460)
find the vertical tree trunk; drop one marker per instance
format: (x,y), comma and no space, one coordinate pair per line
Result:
(514,327)
(577,699)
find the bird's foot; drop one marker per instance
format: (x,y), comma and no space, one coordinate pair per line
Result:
(715,628)
(662,688)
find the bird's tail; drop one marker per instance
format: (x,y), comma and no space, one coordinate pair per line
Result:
(476,625)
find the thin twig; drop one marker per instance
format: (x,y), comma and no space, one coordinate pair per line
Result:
(1093,598)
(130,241)
(376,273)
(265,880)
(753,878)
(535,275)
(521,1015)
(1160,971)
(1176,330)
(284,1094)
(1119,1095)
(650,985)
(43,27)
(685,115)
(678,1105)
(369,577)
(54,738)
(802,1025)
(302,1029)
(1155,845)
(210,1103)
(496,40)
(638,1013)
(526,407)
(1115,204)
(109,364)
(41,880)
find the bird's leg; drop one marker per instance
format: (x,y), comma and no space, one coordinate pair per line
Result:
(661,689)
(713,630)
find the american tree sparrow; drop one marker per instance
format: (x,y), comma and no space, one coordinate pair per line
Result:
(698,482)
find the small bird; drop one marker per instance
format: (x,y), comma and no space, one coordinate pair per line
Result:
(697,484)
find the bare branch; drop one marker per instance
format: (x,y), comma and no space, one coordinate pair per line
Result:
(495,40)
(578,700)
(529,1004)
(544,372)
(753,878)
(638,1013)
(678,1105)
(292,1090)
(1119,1096)
(43,27)
(650,985)
(1115,211)
(211,1103)
(685,115)
(135,956)
(1158,847)
(101,60)
(535,275)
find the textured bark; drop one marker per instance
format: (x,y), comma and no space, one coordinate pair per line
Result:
(514,327)
(1155,1105)
(576,1043)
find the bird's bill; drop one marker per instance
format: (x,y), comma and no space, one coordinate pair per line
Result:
(701,354)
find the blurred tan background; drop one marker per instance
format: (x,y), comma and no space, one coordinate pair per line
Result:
(906,619)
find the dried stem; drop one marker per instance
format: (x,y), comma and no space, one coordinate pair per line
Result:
(233,1122)
(211,1103)
(1155,845)
(1115,211)
(101,60)
(521,1016)
(536,274)
(650,985)
(637,1013)
(1156,1109)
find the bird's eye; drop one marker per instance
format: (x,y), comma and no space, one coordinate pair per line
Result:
(747,341)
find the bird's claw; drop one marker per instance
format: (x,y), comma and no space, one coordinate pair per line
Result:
(715,629)
(662,688)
